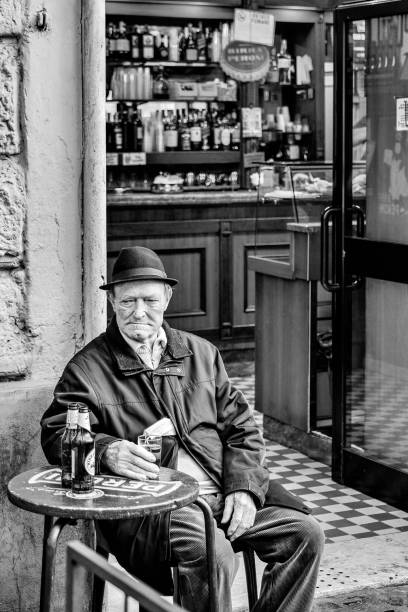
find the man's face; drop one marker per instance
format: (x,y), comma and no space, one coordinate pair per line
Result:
(139,307)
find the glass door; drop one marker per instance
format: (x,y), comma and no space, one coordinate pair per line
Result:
(368,230)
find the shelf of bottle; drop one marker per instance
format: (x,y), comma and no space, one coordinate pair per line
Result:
(164,63)
(172,158)
(172,100)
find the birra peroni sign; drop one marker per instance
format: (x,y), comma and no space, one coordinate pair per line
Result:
(245,62)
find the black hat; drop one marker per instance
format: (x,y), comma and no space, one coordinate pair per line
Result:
(138,263)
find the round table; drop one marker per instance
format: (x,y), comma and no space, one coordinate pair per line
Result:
(39,490)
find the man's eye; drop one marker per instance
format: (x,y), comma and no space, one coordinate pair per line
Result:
(150,300)
(127,302)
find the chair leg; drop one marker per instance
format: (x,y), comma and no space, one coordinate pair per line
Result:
(176,583)
(211,559)
(250,574)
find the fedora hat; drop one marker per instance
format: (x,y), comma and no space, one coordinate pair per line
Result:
(138,263)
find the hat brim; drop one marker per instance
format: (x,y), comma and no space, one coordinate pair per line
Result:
(169,281)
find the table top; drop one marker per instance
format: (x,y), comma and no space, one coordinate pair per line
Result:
(39,490)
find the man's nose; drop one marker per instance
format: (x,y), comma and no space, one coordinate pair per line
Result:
(139,308)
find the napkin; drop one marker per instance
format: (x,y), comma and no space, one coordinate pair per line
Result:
(164,427)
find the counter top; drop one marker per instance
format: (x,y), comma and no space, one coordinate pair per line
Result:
(189,198)
(309,227)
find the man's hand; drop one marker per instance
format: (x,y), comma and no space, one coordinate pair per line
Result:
(239,511)
(128,459)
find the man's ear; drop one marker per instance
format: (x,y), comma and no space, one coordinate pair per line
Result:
(111,299)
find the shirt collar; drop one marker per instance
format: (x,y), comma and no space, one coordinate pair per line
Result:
(140,347)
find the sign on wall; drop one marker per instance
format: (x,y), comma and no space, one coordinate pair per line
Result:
(254,27)
(245,62)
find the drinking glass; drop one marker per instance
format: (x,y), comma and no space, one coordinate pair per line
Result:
(153,444)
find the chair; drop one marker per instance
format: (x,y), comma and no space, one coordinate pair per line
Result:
(249,564)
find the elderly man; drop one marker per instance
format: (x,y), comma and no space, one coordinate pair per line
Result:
(140,374)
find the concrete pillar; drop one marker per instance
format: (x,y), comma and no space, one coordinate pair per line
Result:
(94,166)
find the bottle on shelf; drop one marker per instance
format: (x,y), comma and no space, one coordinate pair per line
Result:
(205,132)
(174,49)
(214,46)
(171,132)
(160,86)
(195,132)
(201,44)
(137,126)
(163,50)
(158,133)
(110,40)
(284,63)
(191,52)
(135,44)
(225,35)
(273,72)
(122,50)
(147,83)
(185,133)
(148,135)
(117,133)
(235,132)
(216,131)
(110,136)
(127,130)
(147,44)
(225,134)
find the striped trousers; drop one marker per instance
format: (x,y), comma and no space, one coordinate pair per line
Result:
(288,541)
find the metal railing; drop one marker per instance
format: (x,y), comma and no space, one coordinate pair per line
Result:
(81,558)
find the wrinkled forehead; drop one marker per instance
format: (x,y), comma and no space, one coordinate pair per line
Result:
(140,288)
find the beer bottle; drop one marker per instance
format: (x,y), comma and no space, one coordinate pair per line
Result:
(66,445)
(83,454)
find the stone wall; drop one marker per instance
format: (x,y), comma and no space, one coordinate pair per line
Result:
(41,320)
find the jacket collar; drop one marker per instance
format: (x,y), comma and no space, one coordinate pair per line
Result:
(126,359)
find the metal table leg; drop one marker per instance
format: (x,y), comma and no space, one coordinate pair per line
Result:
(52,531)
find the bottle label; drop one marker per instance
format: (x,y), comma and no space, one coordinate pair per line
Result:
(122,45)
(284,62)
(171,139)
(191,55)
(195,134)
(89,462)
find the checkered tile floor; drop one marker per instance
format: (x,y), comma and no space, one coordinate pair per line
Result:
(343,512)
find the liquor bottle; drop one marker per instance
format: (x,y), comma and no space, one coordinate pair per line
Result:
(122,42)
(117,133)
(284,63)
(214,53)
(225,35)
(235,132)
(135,44)
(137,132)
(195,131)
(171,133)
(160,85)
(163,50)
(225,134)
(147,44)
(158,133)
(201,44)
(127,131)
(205,132)
(216,131)
(66,445)
(110,137)
(174,49)
(185,133)
(110,40)
(83,455)
(182,42)
(191,52)
(273,72)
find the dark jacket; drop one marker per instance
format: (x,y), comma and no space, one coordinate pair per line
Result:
(212,420)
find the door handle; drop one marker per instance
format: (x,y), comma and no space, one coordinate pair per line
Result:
(330,214)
